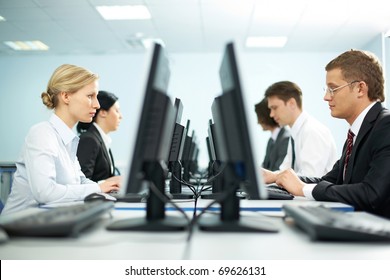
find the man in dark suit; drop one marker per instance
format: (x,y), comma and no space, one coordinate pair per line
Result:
(278,142)
(361,177)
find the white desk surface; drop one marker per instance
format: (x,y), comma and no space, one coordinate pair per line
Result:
(288,244)
(98,243)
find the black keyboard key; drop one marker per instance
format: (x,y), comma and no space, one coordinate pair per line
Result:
(278,193)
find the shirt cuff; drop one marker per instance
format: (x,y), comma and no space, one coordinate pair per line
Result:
(90,188)
(308,190)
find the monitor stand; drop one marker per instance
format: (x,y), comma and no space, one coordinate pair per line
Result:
(155,219)
(217,184)
(175,187)
(230,219)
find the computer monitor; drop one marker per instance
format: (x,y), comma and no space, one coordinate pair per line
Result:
(149,154)
(194,152)
(176,151)
(186,156)
(212,141)
(179,132)
(215,165)
(194,163)
(210,156)
(236,152)
(178,110)
(208,146)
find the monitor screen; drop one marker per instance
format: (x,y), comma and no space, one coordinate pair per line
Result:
(156,120)
(194,169)
(178,110)
(215,167)
(235,150)
(175,156)
(212,141)
(208,148)
(149,154)
(186,156)
(179,132)
(232,127)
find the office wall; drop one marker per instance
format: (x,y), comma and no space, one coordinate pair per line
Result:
(24,78)
(194,79)
(200,84)
(386,64)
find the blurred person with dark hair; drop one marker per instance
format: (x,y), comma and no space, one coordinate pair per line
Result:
(278,142)
(94,152)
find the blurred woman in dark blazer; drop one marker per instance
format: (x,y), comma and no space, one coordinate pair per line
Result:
(94,152)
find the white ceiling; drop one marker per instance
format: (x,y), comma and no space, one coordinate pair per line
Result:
(75,26)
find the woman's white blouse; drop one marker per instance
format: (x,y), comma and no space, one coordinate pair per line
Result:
(48,170)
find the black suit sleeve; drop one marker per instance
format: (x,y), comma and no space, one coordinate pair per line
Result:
(87,153)
(331,176)
(369,187)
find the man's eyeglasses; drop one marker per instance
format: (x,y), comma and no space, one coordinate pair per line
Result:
(331,91)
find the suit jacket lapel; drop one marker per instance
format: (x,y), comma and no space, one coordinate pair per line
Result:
(112,162)
(98,136)
(340,178)
(368,123)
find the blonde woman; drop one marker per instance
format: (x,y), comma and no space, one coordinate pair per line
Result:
(48,170)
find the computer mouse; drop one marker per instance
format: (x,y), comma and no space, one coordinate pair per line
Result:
(99,196)
(3,236)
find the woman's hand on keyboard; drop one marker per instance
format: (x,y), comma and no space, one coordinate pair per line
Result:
(112,184)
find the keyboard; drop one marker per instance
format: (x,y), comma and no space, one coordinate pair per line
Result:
(129,197)
(322,223)
(58,222)
(278,193)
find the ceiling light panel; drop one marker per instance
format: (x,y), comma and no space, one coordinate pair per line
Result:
(266,42)
(27,45)
(272,11)
(126,12)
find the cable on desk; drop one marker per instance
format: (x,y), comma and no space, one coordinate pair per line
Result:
(219,199)
(195,218)
(194,187)
(191,186)
(211,180)
(166,200)
(202,175)
(199,192)
(193,221)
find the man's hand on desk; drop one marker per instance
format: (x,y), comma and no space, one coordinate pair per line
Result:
(289,180)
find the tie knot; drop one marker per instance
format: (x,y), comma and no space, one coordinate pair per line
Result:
(350,134)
